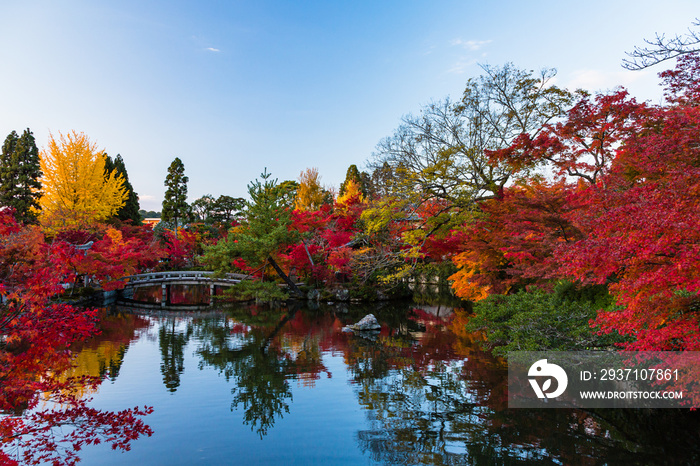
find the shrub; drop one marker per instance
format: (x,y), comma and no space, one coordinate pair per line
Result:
(535,320)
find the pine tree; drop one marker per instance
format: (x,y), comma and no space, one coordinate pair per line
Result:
(130,209)
(263,233)
(175,207)
(19,175)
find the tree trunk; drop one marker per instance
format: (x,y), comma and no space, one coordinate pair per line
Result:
(308,254)
(283,276)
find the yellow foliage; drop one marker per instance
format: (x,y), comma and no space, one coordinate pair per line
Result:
(352,194)
(413,237)
(379,215)
(76,191)
(400,274)
(94,362)
(310,192)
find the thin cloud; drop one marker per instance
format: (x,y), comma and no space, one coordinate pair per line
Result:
(462,66)
(430,50)
(598,80)
(212,49)
(470,44)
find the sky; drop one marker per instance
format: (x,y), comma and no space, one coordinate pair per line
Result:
(234,87)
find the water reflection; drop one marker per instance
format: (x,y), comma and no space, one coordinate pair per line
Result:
(424,403)
(259,373)
(429,395)
(102,356)
(176,294)
(172,341)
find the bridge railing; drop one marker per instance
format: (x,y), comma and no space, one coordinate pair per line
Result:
(182,275)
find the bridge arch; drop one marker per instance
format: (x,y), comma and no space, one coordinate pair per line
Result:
(167,279)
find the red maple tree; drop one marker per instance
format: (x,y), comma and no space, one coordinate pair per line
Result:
(35,339)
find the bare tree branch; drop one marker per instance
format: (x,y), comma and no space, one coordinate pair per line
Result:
(662,48)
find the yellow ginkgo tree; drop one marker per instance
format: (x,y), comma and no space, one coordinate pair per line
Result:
(310,193)
(76,190)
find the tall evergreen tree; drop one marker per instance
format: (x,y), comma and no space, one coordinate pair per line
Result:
(381,181)
(130,209)
(360,178)
(175,206)
(19,175)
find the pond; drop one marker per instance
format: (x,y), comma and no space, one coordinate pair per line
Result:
(285,385)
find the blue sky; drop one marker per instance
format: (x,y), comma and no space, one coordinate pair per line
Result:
(232,87)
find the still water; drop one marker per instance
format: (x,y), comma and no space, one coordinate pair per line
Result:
(285,385)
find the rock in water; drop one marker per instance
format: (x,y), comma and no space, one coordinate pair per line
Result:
(367,323)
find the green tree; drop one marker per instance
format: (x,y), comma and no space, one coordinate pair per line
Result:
(361,178)
(538,321)
(366,185)
(175,207)
(381,181)
(286,191)
(202,208)
(130,209)
(266,220)
(226,208)
(148,214)
(20,172)
(263,232)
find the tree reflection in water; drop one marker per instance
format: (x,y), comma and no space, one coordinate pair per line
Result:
(172,342)
(420,406)
(442,401)
(429,394)
(260,372)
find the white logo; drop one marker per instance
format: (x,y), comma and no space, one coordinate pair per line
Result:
(542,368)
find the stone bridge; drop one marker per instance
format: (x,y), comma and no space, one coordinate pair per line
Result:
(166,279)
